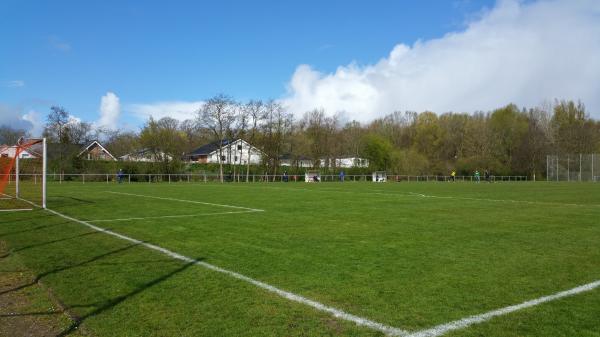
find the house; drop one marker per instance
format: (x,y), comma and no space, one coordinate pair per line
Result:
(11,151)
(233,152)
(345,162)
(95,151)
(299,161)
(146,155)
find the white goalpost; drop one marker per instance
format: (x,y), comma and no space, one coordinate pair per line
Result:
(23,170)
(379,177)
(312,176)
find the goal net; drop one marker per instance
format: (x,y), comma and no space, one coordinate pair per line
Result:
(312,177)
(379,177)
(23,175)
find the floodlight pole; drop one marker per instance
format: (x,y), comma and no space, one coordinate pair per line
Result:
(44,168)
(17,172)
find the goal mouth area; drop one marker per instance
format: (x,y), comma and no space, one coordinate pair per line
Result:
(9,203)
(312,176)
(379,177)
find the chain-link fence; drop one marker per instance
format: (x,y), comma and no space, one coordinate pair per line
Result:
(573,167)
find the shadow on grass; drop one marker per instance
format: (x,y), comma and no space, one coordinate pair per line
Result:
(33,229)
(100,306)
(58,270)
(109,304)
(77,200)
(40,244)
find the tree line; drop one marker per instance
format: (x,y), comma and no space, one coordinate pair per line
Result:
(506,141)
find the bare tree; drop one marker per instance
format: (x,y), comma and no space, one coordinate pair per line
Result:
(56,122)
(217,114)
(255,112)
(10,135)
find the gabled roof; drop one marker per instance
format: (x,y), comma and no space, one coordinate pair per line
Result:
(208,148)
(95,142)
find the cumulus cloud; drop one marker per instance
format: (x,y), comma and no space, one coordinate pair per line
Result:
(180,110)
(520,52)
(34,118)
(110,110)
(16,117)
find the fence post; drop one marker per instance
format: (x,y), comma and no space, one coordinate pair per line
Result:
(129,178)
(107,178)
(169,178)
(593,177)
(83,178)
(568,168)
(580,158)
(547,170)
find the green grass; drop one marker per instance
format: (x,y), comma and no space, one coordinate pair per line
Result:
(379,251)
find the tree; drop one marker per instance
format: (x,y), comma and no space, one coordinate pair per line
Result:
(56,121)
(216,115)
(10,135)
(379,152)
(164,139)
(254,110)
(122,143)
(276,128)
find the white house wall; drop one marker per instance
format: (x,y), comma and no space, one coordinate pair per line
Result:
(232,154)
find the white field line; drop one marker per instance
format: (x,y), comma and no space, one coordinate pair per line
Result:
(500,200)
(390,331)
(16,209)
(170,216)
(465,322)
(188,201)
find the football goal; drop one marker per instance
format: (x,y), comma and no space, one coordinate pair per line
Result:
(312,177)
(23,175)
(379,177)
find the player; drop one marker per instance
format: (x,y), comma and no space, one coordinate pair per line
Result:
(120,176)
(453,175)
(342,176)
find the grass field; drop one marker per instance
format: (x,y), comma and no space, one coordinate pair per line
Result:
(409,256)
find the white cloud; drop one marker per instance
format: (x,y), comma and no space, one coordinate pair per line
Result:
(37,124)
(180,110)
(110,110)
(59,44)
(14,84)
(520,52)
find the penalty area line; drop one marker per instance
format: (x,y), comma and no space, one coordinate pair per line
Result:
(16,209)
(170,216)
(388,330)
(442,329)
(184,200)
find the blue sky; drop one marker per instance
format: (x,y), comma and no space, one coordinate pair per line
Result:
(73,52)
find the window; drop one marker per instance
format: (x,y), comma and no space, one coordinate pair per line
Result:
(235,158)
(222,158)
(239,147)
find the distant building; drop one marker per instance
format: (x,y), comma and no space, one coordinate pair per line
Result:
(233,152)
(349,161)
(95,151)
(297,161)
(11,151)
(146,155)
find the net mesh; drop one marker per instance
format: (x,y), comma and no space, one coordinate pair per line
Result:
(14,193)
